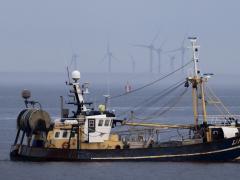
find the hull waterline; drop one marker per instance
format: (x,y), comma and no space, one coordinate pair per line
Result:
(222,151)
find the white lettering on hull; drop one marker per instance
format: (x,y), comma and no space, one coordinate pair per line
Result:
(236,142)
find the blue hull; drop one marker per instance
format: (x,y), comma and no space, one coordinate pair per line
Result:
(220,151)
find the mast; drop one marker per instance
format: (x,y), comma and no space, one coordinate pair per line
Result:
(195,106)
(78,92)
(197,81)
(80,104)
(195,55)
(203,101)
(194,81)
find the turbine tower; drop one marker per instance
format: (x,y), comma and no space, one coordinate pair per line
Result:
(133,63)
(151,49)
(109,56)
(172,62)
(181,49)
(159,55)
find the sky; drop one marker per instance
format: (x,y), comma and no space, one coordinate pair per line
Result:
(42,36)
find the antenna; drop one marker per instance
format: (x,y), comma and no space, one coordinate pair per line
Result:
(74,61)
(68,75)
(195,50)
(106,100)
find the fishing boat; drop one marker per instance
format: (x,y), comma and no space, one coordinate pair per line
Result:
(88,134)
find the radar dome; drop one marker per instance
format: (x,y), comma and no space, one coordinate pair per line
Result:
(76,75)
(26,94)
(101,108)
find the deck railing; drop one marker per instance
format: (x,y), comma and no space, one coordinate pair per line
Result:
(221,119)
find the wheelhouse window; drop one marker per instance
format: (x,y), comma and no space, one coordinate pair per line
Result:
(65,133)
(57,134)
(91,123)
(106,122)
(100,122)
(111,123)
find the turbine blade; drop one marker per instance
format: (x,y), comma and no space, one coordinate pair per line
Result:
(74,60)
(141,45)
(114,57)
(155,37)
(174,50)
(131,56)
(184,39)
(163,43)
(104,57)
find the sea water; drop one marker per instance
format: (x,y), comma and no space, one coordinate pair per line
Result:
(11,104)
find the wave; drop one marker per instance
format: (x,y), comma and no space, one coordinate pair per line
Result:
(7,118)
(5,160)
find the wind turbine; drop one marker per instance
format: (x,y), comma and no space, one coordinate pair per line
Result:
(109,56)
(151,49)
(159,54)
(182,49)
(133,63)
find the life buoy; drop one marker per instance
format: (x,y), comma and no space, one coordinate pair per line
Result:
(65,145)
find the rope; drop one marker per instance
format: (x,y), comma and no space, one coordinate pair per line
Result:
(164,95)
(218,108)
(156,97)
(173,103)
(151,83)
(147,118)
(224,107)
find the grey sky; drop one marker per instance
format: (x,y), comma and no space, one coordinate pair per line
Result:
(42,35)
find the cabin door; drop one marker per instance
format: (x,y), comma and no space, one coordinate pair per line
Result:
(91,125)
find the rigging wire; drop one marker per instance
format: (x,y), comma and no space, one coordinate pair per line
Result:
(215,103)
(173,102)
(219,100)
(164,95)
(159,114)
(155,98)
(151,83)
